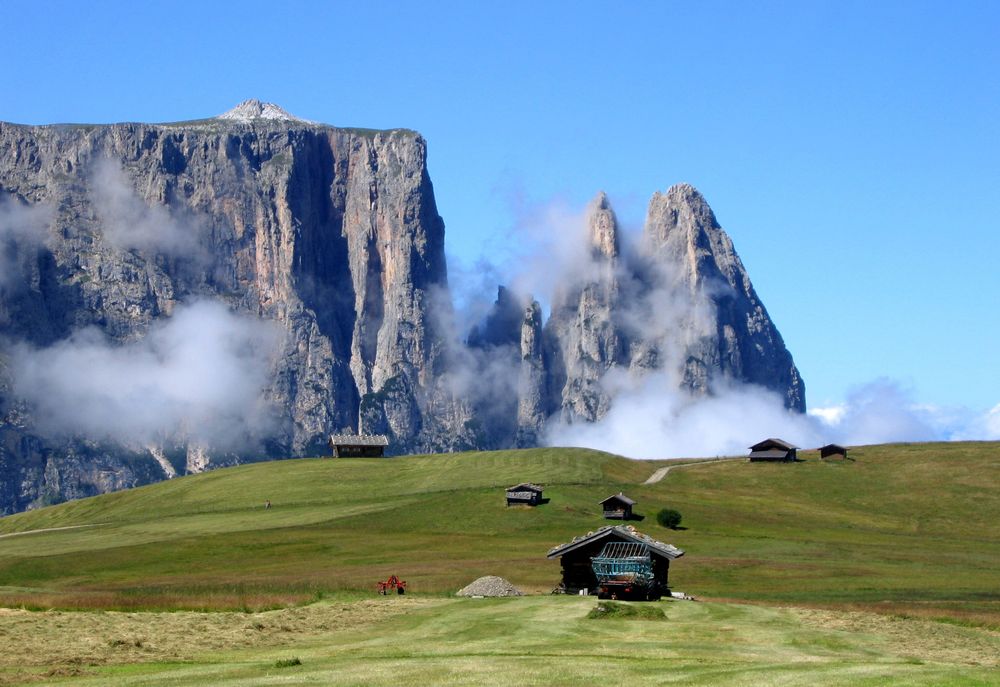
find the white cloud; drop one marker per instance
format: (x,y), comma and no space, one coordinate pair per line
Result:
(198,375)
(656,420)
(128,222)
(652,419)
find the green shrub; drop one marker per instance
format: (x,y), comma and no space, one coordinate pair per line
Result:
(669,518)
(610,609)
(287,662)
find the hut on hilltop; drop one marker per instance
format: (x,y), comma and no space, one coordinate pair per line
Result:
(833,451)
(773,450)
(358,445)
(617,507)
(525,493)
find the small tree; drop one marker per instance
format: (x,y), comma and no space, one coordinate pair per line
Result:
(669,518)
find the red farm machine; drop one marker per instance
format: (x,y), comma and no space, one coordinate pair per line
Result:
(392,583)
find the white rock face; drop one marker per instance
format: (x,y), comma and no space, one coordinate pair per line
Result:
(249,110)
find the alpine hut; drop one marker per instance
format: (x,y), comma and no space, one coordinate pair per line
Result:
(576,557)
(617,507)
(525,493)
(773,449)
(833,451)
(358,445)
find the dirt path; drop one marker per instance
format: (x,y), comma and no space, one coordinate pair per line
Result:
(658,475)
(662,472)
(51,529)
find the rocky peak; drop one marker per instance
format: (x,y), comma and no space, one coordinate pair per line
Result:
(602,226)
(252,109)
(681,207)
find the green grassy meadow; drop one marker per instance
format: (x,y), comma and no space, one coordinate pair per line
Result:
(908,531)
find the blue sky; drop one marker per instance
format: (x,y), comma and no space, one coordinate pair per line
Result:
(851,149)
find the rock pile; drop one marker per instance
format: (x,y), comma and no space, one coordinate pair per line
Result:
(491,585)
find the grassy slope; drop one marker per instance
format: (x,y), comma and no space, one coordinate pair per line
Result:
(911,527)
(541,640)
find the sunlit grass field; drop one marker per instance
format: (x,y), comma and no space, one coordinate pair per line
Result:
(906,530)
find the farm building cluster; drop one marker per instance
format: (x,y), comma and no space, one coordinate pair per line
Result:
(615,561)
(781,450)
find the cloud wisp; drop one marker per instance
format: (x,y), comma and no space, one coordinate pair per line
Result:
(128,222)
(197,376)
(23,231)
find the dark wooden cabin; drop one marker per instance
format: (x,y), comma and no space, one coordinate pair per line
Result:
(617,507)
(575,557)
(358,445)
(833,451)
(526,494)
(773,449)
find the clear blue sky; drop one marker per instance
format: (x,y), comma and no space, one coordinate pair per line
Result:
(851,149)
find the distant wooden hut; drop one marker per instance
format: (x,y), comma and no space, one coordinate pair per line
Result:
(833,451)
(774,450)
(617,507)
(575,557)
(526,494)
(358,445)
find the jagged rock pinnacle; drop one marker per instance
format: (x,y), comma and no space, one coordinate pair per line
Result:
(252,109)
(603,227)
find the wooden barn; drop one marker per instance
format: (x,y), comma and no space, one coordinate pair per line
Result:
(577,568)
(358,445)
(773,449)
(526,494)
(617,507)
(833,451)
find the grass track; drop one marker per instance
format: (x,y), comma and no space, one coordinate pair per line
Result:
(528,641)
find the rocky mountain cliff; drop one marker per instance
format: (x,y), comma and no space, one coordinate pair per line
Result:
(331,237)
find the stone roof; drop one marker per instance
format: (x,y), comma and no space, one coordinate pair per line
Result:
(526,486)
(359,440)
(772,443)
(627,532)
(618,497)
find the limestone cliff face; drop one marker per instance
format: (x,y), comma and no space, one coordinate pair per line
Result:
(331,233)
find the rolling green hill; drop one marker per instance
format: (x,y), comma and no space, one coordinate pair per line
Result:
(909,529)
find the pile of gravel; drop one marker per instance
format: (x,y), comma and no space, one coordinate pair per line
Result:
(491,585)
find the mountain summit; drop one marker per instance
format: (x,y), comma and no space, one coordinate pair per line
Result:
(252,109)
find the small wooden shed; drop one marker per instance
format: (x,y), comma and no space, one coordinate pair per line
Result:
(526,493)
(358,445)
(575,557)
(617,507)
(774,450)
(833,451)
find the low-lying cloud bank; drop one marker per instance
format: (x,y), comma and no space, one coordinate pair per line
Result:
(198,376)
(653,421)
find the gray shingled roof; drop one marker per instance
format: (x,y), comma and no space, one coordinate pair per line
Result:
(627,532)
(772,443)
(618,497)
(359,440)
(526,486)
